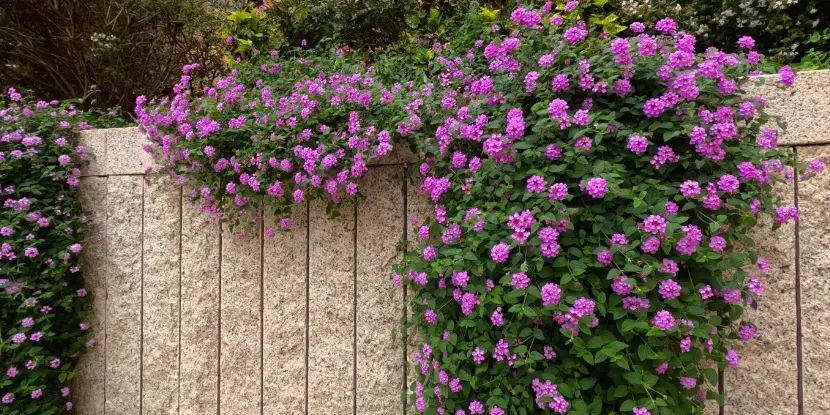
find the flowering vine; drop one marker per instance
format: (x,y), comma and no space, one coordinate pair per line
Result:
(589,194)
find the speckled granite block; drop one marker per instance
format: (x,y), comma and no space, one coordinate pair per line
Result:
(331,312)
(241,359)
(805,106)
(419,208)
(124,153)
(123,242)
(768,363)
(89,384)
(161,265)
(199,313)
(814,233)
(400,154)
(284,316)
(379,302)
(95,142)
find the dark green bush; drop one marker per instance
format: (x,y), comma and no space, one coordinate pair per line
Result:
(780,27)
(63,49)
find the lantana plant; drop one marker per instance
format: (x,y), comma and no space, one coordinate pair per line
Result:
(589,248)
(302,134)
(590,195)
(45,309)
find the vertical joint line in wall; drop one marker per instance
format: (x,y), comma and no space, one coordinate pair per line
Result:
(798,327)
(181,227)
(106,285)
(219,330)
(262,314)
(403,306)
(354,310)
(141,326)
(721,390)
(307,292)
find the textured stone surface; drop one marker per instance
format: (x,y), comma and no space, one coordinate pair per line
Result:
(400,154)
(198,385)
(161,268)
(814,234)
(124,153)
(90,382)
(331,311)
(768,363)
(379,302)
(241,360)
(418,209)
(805,106)
(284,316)
(123,242)
(95,142)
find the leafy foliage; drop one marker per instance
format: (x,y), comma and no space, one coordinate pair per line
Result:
(44,309)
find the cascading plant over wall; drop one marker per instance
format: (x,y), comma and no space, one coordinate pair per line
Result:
(45,311)
(588,251)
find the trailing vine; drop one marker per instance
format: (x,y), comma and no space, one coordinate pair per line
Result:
(590,195)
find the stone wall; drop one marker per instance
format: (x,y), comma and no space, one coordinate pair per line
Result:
(191,320)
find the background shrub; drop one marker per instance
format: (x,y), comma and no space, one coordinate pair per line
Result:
(64,49)
(780,28)
(45,310)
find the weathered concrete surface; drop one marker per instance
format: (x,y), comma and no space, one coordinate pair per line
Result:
(331,311)
(123,311)
(90,382)
(814,235)
(768,363)
(161,284)
(805,106)
(240,371)
(284,315)
(379,302)
(198,384)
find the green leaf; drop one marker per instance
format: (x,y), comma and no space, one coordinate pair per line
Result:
(644,352)
(621,391)
(587,383)
(595,342)
(629,325)
(634,378)
(711,376)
